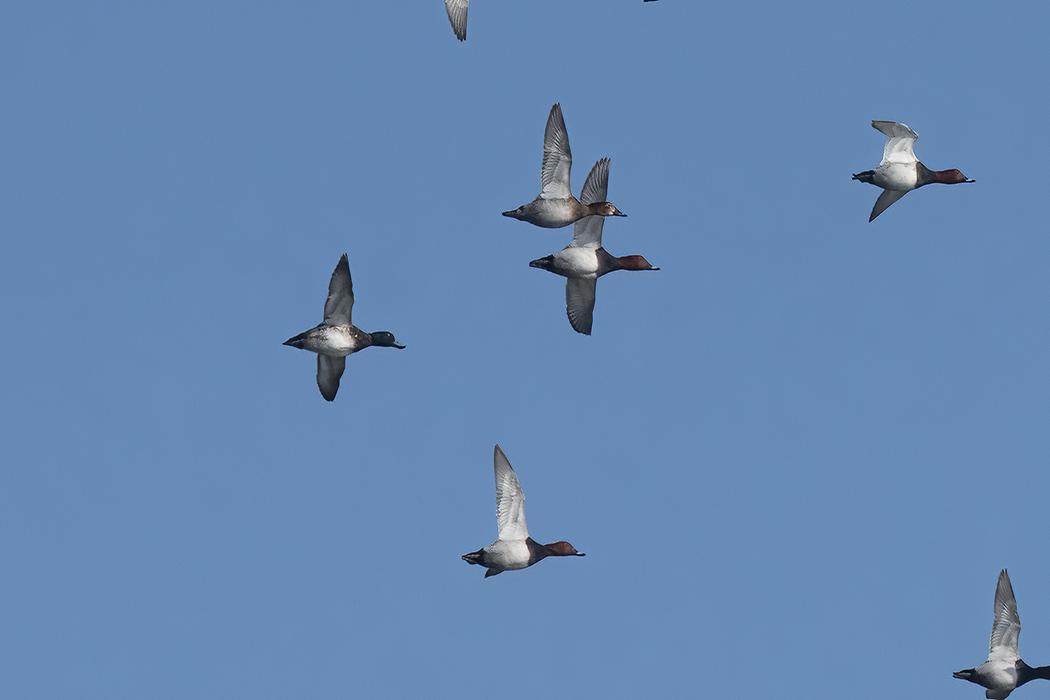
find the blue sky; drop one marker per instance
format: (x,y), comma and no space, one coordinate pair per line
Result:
(796,457)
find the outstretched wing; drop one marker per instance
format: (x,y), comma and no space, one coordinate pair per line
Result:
(510,501)
(899,143)
(557,158)
(329,370)
(884,201)
(1007,626)
(457,15)
(587,232)
(340,301)
(596,186)
(579,301)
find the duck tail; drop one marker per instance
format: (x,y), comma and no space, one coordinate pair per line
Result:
(867,176)
(297,341)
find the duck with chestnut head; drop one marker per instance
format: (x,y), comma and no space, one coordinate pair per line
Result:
(513,548)
(900,171)
(584,260)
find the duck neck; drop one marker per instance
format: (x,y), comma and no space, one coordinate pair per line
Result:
(537,551)
(1026,673)
(925,176)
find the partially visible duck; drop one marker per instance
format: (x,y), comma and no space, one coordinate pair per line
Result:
(584,260)
(457,15)
(555,206)
(900,172)
(335,337)
(1003,671)
(513,548)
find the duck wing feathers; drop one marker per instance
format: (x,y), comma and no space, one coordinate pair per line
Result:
(587,232)
(510,501)
(340,301)
(899,144)
(329,371)
(1007,626)
(579,301)
(884,201)
(457,15)
(557,158)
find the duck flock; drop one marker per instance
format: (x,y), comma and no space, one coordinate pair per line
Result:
(582,262)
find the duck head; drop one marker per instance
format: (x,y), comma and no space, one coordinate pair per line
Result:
(562,549)
(635,262)
(605,209)
(385,339)
(953,177)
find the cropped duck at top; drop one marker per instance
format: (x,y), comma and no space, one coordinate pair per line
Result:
(584,260)
(900,172)
(513,548)
(1003,671)
(457,15)
(335,337)
(555,206)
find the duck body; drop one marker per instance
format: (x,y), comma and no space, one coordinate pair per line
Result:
(1001,677)
(900,171)
(573,261)
(589,263)
(1004,671)
(336,337)
(555,206)
(557,213)
(334,341)
(893,176)
(513,548)
(503,555)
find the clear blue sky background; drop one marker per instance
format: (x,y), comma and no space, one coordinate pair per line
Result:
(796,457)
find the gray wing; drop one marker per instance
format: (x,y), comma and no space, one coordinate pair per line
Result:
(457,15)
(1007,626)
(557,158)
(510,500)
(587,232)
(329,370)
(579,301)
(884,201)
(900,142)
(596,186)
(340,301)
